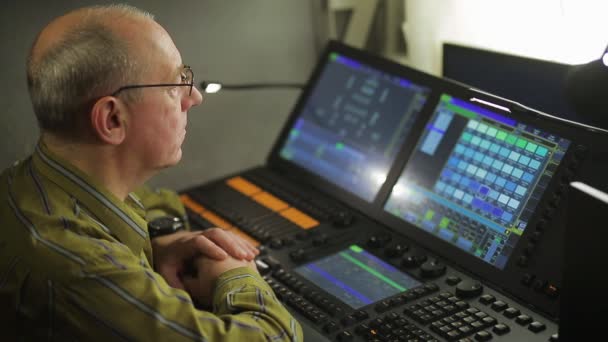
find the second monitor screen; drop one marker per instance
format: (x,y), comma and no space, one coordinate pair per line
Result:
(475,178)
(353,124)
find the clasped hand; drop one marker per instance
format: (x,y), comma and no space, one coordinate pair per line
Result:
(211,252)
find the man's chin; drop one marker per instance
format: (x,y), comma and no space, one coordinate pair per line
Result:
(173,161)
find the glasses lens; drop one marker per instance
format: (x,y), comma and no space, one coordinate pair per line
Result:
(190,78)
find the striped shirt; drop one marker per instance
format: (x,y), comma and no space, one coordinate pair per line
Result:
(75,265)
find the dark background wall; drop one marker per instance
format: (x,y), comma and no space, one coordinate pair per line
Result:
(229,40)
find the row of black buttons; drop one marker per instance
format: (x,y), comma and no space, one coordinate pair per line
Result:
(298,302)
(472,321)
(197,222)
(406,297)
(436,307)
(337,215)
(262,224)
(313,296)
(264,230)
(535,237)
(392,327)
(540,285)
(512,312)
(429,268)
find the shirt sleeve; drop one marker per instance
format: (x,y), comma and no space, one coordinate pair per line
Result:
(118,296)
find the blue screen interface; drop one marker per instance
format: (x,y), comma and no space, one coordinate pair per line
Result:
(357,277)
(353,124)
(475,178)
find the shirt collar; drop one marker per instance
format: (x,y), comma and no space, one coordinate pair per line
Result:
(125,221)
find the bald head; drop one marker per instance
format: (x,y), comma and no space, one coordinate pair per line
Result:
(83,55)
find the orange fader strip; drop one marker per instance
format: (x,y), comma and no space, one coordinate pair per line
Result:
(243,186)
(216,220)
(270,201)
(299,218)
(211,217)
(220,222)
(192,205)
(244,235)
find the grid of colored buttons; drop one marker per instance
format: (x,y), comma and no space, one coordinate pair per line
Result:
(468,196)
(500,135)
(494,184)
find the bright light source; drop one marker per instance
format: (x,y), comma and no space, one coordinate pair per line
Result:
(378,177)
(212,87)
(401,191)
(474,99)
(605,59)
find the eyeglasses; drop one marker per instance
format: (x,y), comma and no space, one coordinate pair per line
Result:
(187,81)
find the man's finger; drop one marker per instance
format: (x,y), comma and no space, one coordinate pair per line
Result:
(252,250)
(228,241)
(247,247)
(200,244)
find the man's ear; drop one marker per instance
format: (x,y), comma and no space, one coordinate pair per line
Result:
(108,117)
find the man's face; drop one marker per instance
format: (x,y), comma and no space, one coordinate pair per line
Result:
(157,123)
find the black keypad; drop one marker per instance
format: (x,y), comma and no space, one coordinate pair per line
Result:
(483,336)
(499,305)
(487,299)
(331,327)
(537,327)
(345,336)
(501,329)
(523,319)
(511,312)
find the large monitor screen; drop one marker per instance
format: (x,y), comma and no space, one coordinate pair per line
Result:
(475,178)
(357,277)
(353,124)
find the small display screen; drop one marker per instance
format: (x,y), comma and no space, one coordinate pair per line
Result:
(353,124)
(357,277)
(475,178)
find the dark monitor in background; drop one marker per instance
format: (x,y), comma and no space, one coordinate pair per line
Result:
(583,294)
(532,82)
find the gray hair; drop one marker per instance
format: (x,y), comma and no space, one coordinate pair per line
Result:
(89,62)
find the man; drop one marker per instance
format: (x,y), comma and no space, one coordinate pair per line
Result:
(111,96)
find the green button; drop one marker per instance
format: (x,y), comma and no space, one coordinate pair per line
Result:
(531,147)
(521,143)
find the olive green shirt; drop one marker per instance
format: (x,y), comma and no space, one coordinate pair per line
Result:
(75,264)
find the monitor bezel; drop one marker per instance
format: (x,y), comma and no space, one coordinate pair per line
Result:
(294,171)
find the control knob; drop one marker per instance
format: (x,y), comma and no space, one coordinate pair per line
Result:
(396,250)
(432,269)
(468,289)
(376,241)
